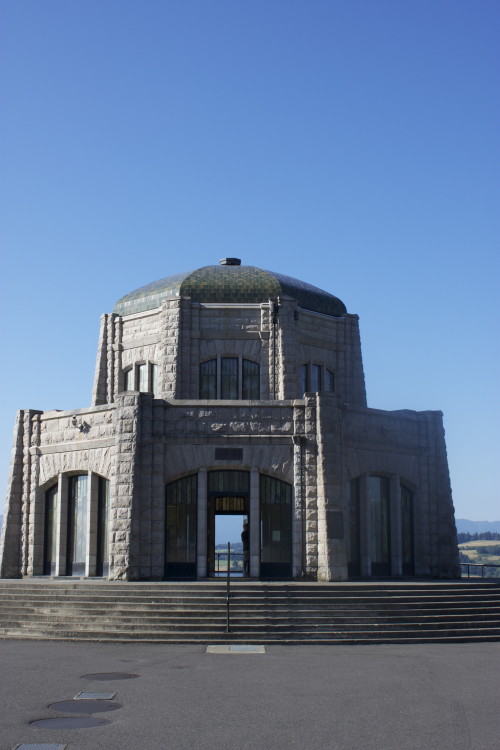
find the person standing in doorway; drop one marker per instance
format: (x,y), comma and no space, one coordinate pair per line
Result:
(245,540)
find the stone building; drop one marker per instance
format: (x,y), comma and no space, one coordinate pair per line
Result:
(229,389)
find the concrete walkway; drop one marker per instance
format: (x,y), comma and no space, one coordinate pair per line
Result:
(420,697)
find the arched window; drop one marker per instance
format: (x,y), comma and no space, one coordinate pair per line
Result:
(76,533)
(378,498)
(407,546)
(180,527)
(239,379)
(276,528)
(77,525)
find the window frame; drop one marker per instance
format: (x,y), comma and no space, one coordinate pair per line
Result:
(215,391)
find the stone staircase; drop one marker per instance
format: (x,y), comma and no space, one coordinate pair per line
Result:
(284,612)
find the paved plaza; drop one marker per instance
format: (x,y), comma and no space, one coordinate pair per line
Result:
(388,697)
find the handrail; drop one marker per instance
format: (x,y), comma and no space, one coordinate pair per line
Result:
(478,565)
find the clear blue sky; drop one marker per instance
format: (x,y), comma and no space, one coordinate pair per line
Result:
(352,144)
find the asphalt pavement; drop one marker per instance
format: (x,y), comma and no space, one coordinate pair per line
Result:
(388,697)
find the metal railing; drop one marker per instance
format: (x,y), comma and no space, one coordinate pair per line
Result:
(478,565)
(235,563)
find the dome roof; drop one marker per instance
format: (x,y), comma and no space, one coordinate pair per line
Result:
(230,282)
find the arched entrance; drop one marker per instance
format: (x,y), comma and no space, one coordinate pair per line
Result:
(228,495)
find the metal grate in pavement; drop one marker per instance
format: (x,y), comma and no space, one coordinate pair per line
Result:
(94,696)
(236,649)
(39,746)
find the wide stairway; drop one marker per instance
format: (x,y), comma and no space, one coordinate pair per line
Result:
(260,613)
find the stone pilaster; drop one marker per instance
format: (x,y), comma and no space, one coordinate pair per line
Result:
(202,527)
(288,350)
(34,532)
(123,561)
(254,525)
(10,540)
(99,390)
(332,554)
(170,318)
(310,487)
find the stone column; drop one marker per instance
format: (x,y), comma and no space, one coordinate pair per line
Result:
(254,525)
(92,520)
(62,525)
(365,527)
(395,525)
(201,531)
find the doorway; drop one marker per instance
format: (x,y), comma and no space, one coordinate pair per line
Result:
(227,520)
(228,508)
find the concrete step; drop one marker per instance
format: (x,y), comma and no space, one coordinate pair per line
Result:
(261,612)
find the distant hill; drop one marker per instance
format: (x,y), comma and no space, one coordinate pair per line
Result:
(472,527)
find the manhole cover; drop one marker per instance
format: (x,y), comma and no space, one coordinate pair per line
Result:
(85,707)
(70,722)
(110,676)
(236,649)
(94,696)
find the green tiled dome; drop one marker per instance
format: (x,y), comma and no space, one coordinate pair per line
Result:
(230,282)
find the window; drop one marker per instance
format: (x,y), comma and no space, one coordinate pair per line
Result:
(208,379)
(129,379)
(142,371)
(77,525)
(304,379)
(314,378)
(143,378)
(275,528)
(407,531)
(180,527)
(329,381)
(239,378)
(251,380)
(378,498)
(229,378)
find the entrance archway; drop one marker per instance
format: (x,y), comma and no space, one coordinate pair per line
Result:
(228,495)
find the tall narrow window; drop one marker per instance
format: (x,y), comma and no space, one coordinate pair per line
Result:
(180,528)
(276,528)
(353,538)
(143,378)
(407,531)
(208,379)
(77,525)
(251,380)
(330,381)
(154,380)
(229,378)
(129,379)
(304,380)
(102,562)
(50,542)
(378,494)
(315,378)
